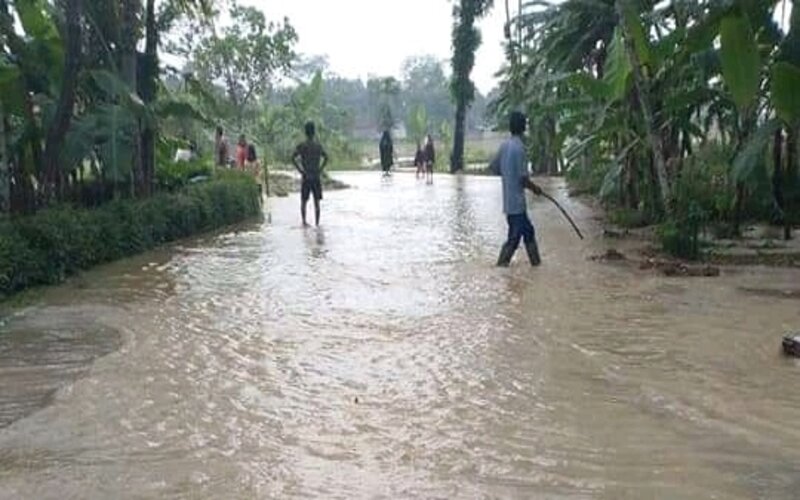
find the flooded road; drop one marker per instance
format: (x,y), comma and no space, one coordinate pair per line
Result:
(383,356)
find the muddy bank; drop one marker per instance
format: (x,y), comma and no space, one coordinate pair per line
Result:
(760,245)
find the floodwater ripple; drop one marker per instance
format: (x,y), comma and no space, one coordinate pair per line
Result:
(383,356)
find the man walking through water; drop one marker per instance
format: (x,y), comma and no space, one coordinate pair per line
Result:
(511,163)
(310,160)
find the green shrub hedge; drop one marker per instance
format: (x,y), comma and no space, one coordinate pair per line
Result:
(172,176)
(47,247)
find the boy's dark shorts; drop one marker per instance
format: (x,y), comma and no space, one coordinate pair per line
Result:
(309,187)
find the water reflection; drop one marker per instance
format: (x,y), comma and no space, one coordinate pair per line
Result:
(314,239)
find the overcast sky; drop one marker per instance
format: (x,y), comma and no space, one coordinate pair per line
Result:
(363,37)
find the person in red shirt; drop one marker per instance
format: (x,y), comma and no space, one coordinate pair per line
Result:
(241,153)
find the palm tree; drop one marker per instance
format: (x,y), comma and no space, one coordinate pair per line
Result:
(629,17)
(131,12)
(466,40)
(5,169)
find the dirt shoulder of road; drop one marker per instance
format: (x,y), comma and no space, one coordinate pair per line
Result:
(759,245)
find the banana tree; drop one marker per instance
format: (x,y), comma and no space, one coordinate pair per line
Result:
(781,106)
(32,65)
(632,34)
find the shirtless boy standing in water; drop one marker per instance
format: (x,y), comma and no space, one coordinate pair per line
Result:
(310,160)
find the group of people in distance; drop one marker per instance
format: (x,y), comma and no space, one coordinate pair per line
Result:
(424,159)
(510,163)
(245,157)
(309,159)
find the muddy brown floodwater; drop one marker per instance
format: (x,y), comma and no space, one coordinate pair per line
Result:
(384,356)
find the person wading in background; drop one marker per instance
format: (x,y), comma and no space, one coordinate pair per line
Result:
(430,158)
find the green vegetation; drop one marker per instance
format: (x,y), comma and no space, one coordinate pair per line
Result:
(682,114)
(91,118)
(87,138)
(57,242)
(91,112)
(477,156)
(245,54)
(172,176)
(349,113)
(282,121)
(82,110)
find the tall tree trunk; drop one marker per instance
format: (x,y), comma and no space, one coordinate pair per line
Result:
(777,177)
(744,129)
(66,103)
(457,155)
(5,170)
(131,10)
(738,208)
(23,193)
(631,181)
(466,40)
(507,30)
(655,207)
(552,154)
(30,167)
(519,29)
(15,204)
(792,167)
(791,181)
(148,91)
(642,91)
